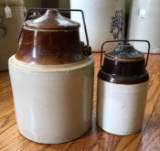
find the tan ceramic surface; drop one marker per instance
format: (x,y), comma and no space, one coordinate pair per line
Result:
(53,104)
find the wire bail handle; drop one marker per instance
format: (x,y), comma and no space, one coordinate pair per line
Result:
(124,41)
(87,49)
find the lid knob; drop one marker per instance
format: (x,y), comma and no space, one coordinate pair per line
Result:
(52,19)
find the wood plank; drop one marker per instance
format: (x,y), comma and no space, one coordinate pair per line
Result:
(151,138)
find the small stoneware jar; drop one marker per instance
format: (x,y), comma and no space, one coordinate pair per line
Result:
(52,80)
(122,90)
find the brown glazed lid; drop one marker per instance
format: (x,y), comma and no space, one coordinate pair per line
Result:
(124,52)
(124,65)
(51,39)
(52,19)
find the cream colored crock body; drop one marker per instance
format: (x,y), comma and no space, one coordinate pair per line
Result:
(120,108)
(53,103)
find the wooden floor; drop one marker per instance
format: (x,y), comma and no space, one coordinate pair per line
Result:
(95,139)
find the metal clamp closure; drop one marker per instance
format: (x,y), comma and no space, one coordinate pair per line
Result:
(125,41)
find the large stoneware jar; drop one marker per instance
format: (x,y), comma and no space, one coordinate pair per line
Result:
(122,90)
(10,26)
(52,80)
(144,23)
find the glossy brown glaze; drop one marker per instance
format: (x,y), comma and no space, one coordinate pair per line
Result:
(50,40)
(121,72)
(124,65)
(125,52)
(123,68)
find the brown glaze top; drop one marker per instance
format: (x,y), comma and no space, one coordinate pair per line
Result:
(124,52)
(124,65)
(52,19)
(118,79)
(50,40)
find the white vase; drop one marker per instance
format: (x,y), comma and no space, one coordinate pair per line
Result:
(145,23)
(99,16)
